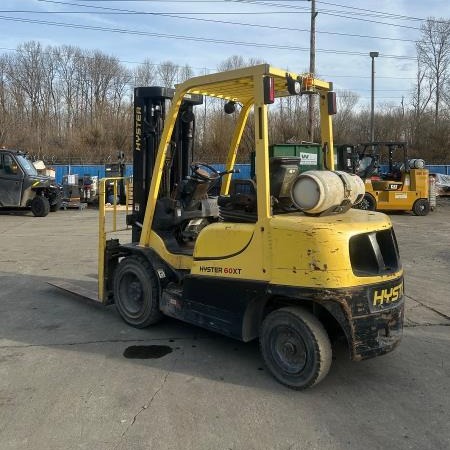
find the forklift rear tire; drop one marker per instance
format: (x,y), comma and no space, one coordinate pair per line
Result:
(421,207)
(295,347)
(367,203)
(40,206)
(136,292)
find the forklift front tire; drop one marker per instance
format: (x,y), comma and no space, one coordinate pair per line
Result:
(40,206)
(295,347)
(421,207)
(136,292)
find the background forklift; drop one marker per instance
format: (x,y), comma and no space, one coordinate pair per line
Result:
(22,187)
(402,186)
(294,266)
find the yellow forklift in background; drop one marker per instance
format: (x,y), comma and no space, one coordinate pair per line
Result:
(402,186)
(283,259)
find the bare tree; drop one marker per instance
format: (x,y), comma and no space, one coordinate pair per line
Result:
(343,121)
(168,72)
(145,74)
(433,52)
(233,62)
(185,73)
(68,59)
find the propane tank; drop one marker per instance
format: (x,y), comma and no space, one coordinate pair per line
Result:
(316,191)
(416,163)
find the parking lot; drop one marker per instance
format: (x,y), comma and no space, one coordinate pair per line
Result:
(66,384)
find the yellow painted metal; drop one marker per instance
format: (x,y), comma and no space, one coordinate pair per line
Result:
(314,251)
(232,153)
(211,242)
(262,158)
(263,181)
(300,250)
(399,195)
(181,262)
(230,250)
(238,85)
(326,131)
(103,231)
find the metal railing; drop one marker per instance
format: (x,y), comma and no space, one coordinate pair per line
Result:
(111,190)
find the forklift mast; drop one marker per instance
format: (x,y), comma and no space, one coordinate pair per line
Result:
(150,106)
(374,150)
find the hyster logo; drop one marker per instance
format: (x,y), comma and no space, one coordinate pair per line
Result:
(388,295)
(138,129)
(210,269)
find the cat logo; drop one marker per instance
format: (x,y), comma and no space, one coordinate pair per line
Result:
(388,295)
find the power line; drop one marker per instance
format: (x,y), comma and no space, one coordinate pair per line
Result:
(118,11)
(368,76)
(375,13)
(381,13)
(323,11)
(378,90)
(335,13)
(297,9)
(195,38)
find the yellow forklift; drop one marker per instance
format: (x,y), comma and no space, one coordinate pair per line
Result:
(403,185)
(283,259)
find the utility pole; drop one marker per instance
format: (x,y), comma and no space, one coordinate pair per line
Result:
(312,69)
(373,55)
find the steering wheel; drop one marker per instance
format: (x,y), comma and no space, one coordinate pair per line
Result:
(204,172)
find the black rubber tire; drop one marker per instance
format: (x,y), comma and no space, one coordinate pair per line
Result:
(421,207)
(136,292)
(56,206)
(40,207)
(368,203)
(295,347)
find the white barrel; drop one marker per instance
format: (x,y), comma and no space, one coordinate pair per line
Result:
(416,163)
(316,191)
(432,192)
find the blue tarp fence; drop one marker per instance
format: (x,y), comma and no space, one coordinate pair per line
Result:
(99,170)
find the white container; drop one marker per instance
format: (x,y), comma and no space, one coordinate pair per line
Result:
(316,191)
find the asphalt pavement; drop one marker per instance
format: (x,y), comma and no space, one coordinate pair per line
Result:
(70,379)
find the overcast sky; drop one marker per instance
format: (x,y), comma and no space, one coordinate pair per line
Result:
(276,31)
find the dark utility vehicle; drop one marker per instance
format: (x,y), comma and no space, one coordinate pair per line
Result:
(22,187)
